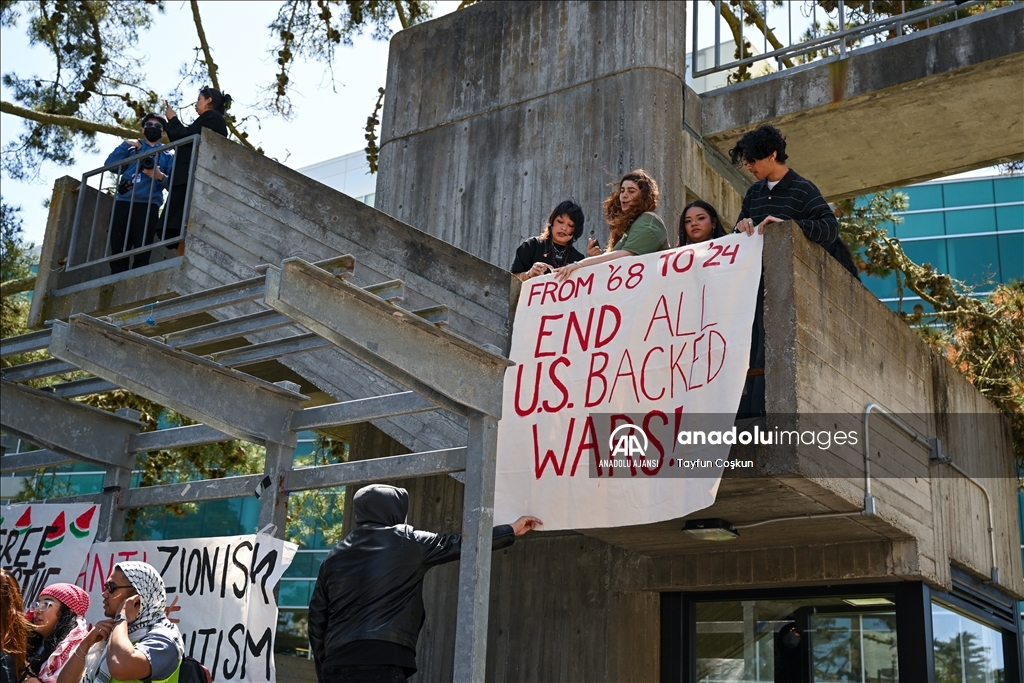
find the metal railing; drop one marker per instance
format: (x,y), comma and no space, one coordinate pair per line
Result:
(827,32)
(103,189)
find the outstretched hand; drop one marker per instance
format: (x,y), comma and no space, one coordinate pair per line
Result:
(524,524)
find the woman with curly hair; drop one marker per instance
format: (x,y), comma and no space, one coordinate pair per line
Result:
(13,630)
(58,620)
(633,226)
(699,222)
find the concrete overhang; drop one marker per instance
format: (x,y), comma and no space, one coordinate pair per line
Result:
(933,103)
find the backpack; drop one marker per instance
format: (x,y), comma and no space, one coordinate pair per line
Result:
(192,671)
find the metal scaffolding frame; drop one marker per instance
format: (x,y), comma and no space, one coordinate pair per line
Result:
(443,371)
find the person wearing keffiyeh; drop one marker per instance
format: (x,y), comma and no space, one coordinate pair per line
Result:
(58,623)
(137,642)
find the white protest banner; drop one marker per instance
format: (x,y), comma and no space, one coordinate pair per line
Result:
(44,543)
(661,341)
(221,591)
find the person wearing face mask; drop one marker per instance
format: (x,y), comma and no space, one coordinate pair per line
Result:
(699,223)
(58,626)
(210,106)
(633,226)
(140,193)
(554,247)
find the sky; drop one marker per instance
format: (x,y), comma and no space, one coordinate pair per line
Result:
(330,117)
(330,114)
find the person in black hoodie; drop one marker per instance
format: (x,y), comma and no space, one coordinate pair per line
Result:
(366,610)
(210,106)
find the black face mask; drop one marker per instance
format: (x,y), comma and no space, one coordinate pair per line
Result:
(153,134)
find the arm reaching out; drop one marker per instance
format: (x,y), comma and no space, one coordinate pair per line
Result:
(525,524)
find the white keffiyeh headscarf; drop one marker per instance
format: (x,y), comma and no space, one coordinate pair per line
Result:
(153,602)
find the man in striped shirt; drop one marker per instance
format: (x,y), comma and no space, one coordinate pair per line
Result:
(780,194)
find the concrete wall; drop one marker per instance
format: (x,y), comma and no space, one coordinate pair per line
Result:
(923,106)
(530,103)
(832,348)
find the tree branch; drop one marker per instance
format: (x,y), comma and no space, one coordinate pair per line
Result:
(15,286)
(401,14)
(72,122)
(211,68)
(760,23)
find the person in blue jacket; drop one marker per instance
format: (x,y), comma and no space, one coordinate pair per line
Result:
(140,194)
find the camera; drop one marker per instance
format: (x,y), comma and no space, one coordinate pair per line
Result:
(147,164)
(125,186)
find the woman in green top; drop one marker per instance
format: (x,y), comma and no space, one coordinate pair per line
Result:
(633,226)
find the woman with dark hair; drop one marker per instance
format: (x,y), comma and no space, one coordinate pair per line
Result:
(633,226)
(58,623)
(699,223)
(553,248)
(211,107)
(13,630)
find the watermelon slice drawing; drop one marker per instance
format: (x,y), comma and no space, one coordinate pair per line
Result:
(25,521)
(56,537)
(80,526)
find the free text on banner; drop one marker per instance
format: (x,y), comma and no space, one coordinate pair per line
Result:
(44,543)
(661,341)
(220,589)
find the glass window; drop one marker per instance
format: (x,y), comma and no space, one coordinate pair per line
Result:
(966,651)
(294,593)
(924,196)
(882,287)
(843,639)
(922,225)
(1011,257)
(1010,217)
(968,194)
(974,260)
(1009,189)
(292,636)
(970,220)
(927,251)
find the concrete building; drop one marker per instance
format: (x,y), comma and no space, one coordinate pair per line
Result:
(896,562)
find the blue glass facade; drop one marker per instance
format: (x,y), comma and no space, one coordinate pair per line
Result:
(972,229)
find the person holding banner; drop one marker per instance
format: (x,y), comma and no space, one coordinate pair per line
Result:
(141,644)
(699,223)
(13,630)
(554,247)
(58,623)
(633,226)
(366,611)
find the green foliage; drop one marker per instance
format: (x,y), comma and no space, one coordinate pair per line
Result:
(313,31)
(15,260)
(982,338)
(319,510)
(89,44)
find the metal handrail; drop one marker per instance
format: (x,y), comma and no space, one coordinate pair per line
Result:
(78,227)
(840,38)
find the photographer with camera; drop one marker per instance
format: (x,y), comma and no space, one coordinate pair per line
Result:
(140,194)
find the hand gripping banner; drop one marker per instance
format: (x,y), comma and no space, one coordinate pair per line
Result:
(612,365)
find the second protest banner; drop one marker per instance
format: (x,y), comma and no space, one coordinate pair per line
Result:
(221,593)
(660,341)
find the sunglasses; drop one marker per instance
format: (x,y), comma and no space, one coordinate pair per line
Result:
(43,605)
(111,587)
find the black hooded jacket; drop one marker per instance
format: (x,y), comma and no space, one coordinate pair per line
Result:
(370,586)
